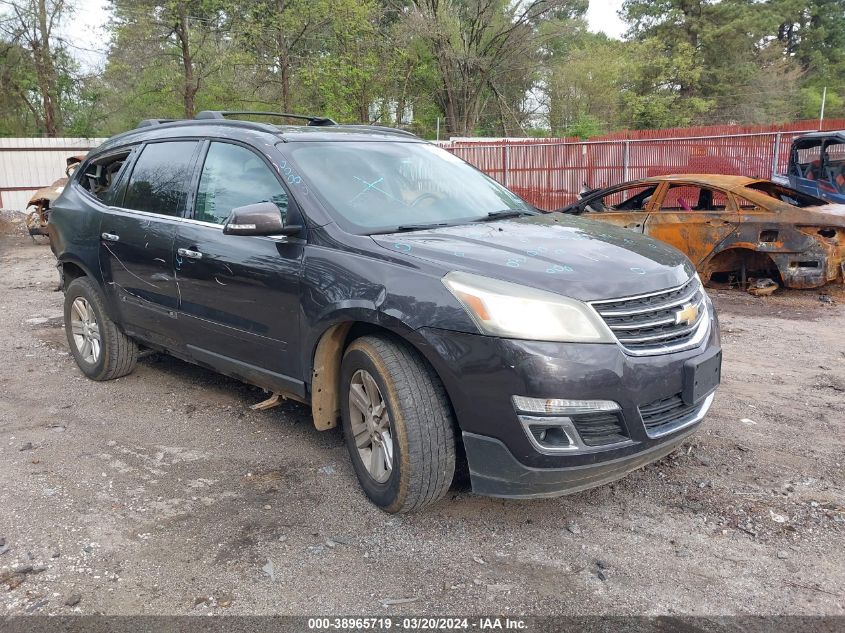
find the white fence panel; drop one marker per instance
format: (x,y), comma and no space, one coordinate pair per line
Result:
(27,164)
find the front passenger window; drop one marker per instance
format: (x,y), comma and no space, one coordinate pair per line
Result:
(232,177)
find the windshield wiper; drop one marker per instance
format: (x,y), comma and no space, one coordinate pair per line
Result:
(502,215)
(419,227)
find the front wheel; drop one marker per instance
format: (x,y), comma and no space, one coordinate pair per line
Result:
(100,349)
(398,424)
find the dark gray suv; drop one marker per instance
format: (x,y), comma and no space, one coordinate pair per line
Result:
(395,288)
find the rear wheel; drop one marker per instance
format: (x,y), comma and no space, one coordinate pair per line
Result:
(100,349)
(397,423)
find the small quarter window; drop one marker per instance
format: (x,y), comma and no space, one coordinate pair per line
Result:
(232,177)
(160,179)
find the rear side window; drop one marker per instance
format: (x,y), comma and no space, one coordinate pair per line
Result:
(101,175)
(232,177)
(161,177)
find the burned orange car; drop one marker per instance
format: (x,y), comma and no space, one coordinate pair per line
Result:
(37,220)
(733,228)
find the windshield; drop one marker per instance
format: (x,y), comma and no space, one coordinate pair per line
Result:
(377,187)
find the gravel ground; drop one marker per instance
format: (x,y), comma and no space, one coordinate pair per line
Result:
(163,493)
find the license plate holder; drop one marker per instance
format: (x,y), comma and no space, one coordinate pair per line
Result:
(701,377)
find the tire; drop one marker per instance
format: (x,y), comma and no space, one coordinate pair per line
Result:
(420,424)
(116,353)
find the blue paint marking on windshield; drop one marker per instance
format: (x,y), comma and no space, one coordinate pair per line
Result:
(372,186)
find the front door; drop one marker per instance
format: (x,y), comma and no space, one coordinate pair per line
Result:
(136,240)
(239,295)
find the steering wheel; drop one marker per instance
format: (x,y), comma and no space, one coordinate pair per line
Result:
(424,196)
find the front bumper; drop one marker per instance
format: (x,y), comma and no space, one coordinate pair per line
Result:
(482,373)
(495,472)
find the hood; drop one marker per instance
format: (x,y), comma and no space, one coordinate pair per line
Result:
(568,255)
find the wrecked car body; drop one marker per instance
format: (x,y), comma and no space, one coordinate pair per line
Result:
(38,218)
(733,228)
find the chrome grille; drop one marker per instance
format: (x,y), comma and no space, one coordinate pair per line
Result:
(648,324)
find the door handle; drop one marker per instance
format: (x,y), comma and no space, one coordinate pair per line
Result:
(185,252)
(110,237)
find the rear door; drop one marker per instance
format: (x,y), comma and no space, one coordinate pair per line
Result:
(693,219)
(239,295)
(137,235)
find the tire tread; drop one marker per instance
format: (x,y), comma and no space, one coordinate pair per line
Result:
(121,352)
(429,464)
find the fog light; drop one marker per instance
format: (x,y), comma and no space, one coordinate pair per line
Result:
(557,406)
(549,435)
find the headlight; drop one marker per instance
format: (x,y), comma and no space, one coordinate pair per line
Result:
(501,308)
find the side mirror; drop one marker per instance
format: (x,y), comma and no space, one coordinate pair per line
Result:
(262,218)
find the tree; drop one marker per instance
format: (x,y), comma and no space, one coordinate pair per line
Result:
(812,33)
(29,52)
(583,80)
(475,43)
(722,59)
(166,49)
(281,35)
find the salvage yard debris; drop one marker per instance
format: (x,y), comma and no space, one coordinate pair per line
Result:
(763,287)
(37,220)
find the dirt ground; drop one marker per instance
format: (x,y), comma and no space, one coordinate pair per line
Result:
(163,493)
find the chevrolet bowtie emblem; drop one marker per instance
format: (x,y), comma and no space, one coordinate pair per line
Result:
(687,314)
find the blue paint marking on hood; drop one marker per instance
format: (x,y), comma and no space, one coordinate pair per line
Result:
(571,256)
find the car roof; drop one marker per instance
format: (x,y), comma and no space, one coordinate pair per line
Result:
(233,129)
(720,181)
(838,134)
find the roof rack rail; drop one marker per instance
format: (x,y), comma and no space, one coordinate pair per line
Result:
(384,128)
(222,114)
(149,122)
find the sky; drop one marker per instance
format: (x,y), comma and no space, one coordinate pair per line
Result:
(85,28)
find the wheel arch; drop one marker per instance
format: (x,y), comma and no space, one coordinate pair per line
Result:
(71,268)
(732,258)
(326,355)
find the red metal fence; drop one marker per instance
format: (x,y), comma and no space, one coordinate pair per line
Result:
(550,173)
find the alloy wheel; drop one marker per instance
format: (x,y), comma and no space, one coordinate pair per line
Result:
(370,423)
(85,330)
